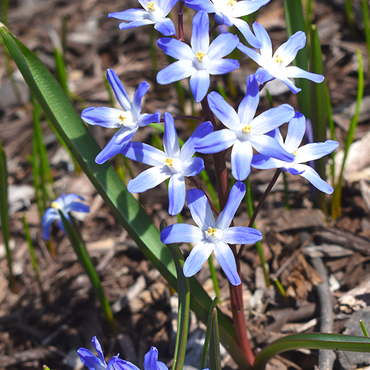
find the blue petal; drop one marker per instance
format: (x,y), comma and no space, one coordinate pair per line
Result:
(197,257)
(241,158)
(272,118)
(243,27)
(264,38)
(313,151)
(144,153)
(129,15)
(215,142)
(293,88)
(176,72)
(165,26)
(200,209)
(167,5)
(118,89)
(296,131)
(175,48)
(222,66)
(200,34)
(263,76)
(69,198)
(49,216)
(148,179)
(150,359)
(139,93)
(226,259)
(222,45)
(135,24)
(288,51)
(181,233)
(187,150)
(242,8)
(170,139)
(118,364)
(176,194)
(263,162)
(102,116)
(241,235)
(268,146)
(314,178)
(248,106)
(292,170)
(192,167)
(233,202)
(296,72)
(201,5)
(199,84)
(146,118)
(98,348)
(250,53)
(79,207)
(223,110)
(90,360)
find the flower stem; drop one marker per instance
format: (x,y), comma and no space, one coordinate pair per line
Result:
(180,15)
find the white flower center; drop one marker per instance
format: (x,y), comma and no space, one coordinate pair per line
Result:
(127,119)
(201,60)
(154,11)
(56,205)
(213,234)
(225,6)
(244,132)
(174,164)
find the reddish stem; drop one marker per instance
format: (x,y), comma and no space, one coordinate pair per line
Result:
(180,20)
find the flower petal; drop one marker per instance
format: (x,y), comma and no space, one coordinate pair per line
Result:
(139,93)
(241,235)
(129,15)
(135,24)
(288,51)
(223,110)
(176,72)
(296,72)
(263,76)
(222,45)
(242,8)
(98,348)
(233,202)
(146,118)
(226,259)
(200,209)
(144,153)
(102,116)
(314,178)
(165,26)
(201,5)
(148,179)
(222,66)
(90,360)
(264,38)
(296,131)
(241,158)
(118,89)
(197,257)
(192,167)
(215,142)
(199,84)
(150,359)
(245,30)
(175,48)
(78,207)
(263,162)
(176,194)
(170,139)
(181,233)
(200,34)
(253,54)
(48,217)
(167,5)
(266,145)
(248,106)
(313,151)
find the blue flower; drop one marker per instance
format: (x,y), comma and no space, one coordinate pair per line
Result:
(210,235)
(200,60)
(244,132)
(276,66)
(173,163)
(65,203)
(127,120)
(305,153)
(98,363)
(229,12)
(154,12)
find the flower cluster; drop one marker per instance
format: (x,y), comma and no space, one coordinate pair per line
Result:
(255,141)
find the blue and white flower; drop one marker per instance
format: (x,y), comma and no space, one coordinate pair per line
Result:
(244,132)
(173,163)
(154,12)
(128,119)
(210,235)
(277,65)
(65,203)
(200,60)
(305,153)
(230,12)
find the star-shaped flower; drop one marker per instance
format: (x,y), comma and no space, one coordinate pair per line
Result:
(128,120)
(200,60)
(277,65)
(229,12)
(305,153)
(173,163)
(244,132)
(210,235)
(154,12)
(65,203)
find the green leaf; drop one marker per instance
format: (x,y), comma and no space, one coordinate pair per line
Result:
(312,341)
(121,203)
(214,348)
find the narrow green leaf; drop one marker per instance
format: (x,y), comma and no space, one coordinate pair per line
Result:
(122,204)
(312,341)
(363,327)
(30,247)
(61,70)
(214,348)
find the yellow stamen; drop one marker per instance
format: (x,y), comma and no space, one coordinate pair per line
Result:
(231,3)
(200,55)
(151,6)
(211,231)
(247,128)
(168,162)
(278,59)
(122,118)
(295,153)
(55,205)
